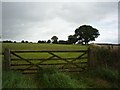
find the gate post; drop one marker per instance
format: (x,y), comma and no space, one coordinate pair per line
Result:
(89,52)
(6,61)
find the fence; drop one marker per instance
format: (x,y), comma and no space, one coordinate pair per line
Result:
(31,65)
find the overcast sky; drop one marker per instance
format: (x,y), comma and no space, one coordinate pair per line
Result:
(35,21)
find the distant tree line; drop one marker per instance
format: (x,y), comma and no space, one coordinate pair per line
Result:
(82,35)
(9,41)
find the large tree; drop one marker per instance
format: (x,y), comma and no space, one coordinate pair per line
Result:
(72,39)
(86,33)
(54,39)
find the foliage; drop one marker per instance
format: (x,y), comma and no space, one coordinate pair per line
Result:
(52,78)
(111,75)
(86,33)
(72,39)
(16,80)
(41,41)
(63,42)
(54,39)
(49,41)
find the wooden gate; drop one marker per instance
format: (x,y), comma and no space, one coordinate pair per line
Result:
(18,60)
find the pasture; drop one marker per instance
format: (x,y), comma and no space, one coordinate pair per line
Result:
(58,59)
(90,78)
(36,46)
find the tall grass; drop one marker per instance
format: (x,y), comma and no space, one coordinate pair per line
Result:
(16,80)
(52,78)
(108,74)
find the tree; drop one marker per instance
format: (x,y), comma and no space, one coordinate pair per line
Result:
(72,39)
(86,33)
(22,41)
(63,42)
(26,41)
(48,41)
(54,39)
(41,41)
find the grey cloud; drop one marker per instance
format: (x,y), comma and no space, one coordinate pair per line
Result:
(87,12)
(38,20)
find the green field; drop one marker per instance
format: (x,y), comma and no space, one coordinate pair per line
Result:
(36,46)
(50,78)
(45,55)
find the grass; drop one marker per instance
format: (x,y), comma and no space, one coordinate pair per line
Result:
(98,78)
(95,78)
(51,77)
(16,80)
(36,46)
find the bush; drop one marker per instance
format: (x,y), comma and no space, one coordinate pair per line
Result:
(15,80)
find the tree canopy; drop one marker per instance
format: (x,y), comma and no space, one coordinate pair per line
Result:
(54,39)
(72,39)
(86,33)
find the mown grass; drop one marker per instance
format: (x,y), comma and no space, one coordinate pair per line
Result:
(36,46)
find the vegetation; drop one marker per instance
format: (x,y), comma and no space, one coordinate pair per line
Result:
(86,33)
(54,39)
(35,46)
(110,54)
(72,39)
(52,78)
(98,77)
(16,80)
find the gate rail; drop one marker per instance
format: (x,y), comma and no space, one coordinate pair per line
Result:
(8,60)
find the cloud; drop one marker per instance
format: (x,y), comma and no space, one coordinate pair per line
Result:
(41,20)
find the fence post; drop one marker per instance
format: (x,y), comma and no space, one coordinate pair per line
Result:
(89,52)
(7,59)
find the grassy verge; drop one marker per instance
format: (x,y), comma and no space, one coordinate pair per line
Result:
(16,80)
(99,78)
(52,78)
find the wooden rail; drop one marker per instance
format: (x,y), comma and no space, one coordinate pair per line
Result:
(29,65)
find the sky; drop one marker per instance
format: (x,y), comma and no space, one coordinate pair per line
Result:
(33,21)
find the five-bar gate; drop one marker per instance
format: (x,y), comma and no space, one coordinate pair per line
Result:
(63,60)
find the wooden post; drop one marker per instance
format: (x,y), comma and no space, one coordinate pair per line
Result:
(6,59)
(89,57)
